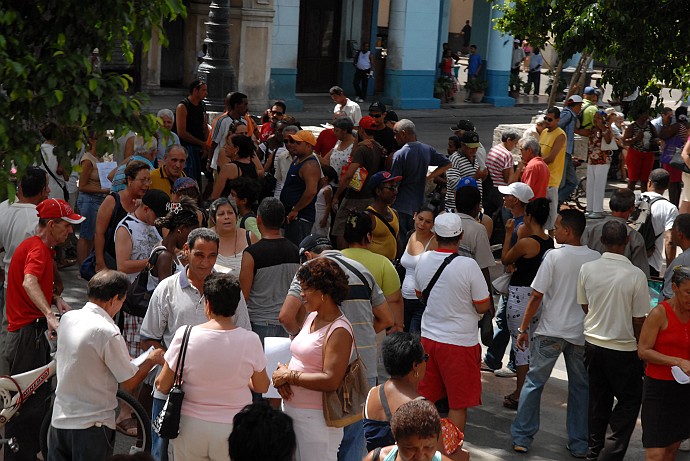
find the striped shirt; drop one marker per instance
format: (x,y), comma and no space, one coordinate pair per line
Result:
(461,167)
(499,159)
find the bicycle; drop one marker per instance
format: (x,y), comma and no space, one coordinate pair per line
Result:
(16,389)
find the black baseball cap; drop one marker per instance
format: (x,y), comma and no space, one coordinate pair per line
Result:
(470,139)
(157,200)
(464,125)
(312,241)
(377,106)
(391,116)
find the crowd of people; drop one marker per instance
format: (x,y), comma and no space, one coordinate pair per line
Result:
(350,244)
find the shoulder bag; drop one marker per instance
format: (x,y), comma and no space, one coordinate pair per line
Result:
(138,295)
(167,423)
(345,405)
(427,291)
(678,162)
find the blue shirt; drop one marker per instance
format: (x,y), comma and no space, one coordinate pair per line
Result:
(412,162)
(473,64)
(119,180)
(567,124)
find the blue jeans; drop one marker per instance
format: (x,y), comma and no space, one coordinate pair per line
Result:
(265,330)
(159,446)
(353,446)
(494,354)
(297,230)
(413,315)
(544,352)
(92,444)
(569,180)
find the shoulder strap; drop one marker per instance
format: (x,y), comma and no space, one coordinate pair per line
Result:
(383,220)
(248,236)
(183,354)
(384,401)
(354,270)
(434,279)
(325,338)
(376,453)
(118,204)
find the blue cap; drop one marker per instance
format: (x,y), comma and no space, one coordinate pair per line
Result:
(590,90)
(467,181)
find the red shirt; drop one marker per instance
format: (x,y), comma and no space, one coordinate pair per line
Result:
(674,341)
(34,257)
(265,131)
(536,175)
(325,142)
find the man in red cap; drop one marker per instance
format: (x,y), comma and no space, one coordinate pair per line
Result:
(29,314)
(301,185)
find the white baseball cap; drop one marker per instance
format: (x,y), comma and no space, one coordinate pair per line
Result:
(448,225)
(519,190)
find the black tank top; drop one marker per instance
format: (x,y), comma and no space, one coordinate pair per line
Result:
(526,268)
(196,116)
(247,170)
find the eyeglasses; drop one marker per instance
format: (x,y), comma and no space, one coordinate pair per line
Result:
(548,119)
(375,115)
(144,180)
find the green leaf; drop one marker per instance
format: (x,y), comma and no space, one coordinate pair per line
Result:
(93,84)
(59,95)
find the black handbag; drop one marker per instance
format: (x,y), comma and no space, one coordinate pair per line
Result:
(138,296)
(167,423)
(678,162)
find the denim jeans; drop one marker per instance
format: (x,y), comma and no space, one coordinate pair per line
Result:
(569,180)
(194,165)
(92,444)
(544,352)
(413,315)
(265,330)
(494,354)
(159,446)
(353,446)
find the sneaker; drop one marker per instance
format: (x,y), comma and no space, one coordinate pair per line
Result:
(505,372)
(684,445)
(520,448)
(359,100)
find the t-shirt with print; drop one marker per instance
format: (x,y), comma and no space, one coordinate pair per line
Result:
(561,315)
(450,316)
(358,309)
(32,257)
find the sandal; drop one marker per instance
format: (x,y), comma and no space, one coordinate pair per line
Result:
(510,402)
(128,427)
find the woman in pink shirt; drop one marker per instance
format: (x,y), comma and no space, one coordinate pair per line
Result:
(216,385)
(310,373)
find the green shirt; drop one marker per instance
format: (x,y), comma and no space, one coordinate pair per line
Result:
(588,111)
(380,267)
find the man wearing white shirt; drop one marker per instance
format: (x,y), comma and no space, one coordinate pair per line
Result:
(560,331)
(663,215)
(342,103)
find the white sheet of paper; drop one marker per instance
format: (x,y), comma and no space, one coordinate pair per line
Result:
(277,350)
(104,169)
(139,360)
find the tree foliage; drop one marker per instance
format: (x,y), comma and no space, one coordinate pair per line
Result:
(643,42)
(46,72)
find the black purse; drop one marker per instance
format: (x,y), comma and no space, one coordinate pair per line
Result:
(678,162)
(167,423)
(138,296)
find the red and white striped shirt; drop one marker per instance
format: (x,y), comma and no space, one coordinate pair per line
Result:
(498,159)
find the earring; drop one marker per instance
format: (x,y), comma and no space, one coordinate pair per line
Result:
(321,297)
(416,374)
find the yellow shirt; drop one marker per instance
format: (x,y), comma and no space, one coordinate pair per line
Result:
(161,182)
(556,167)
(383,241)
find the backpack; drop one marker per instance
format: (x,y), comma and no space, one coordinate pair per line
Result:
(138,295)
(641,221)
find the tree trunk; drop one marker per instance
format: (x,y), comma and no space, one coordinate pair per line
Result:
(583,72)
(554,85)
(573,85)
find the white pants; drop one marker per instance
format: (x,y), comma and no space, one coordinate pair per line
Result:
(596,186)
(201,440)
(315,440)
(552,194)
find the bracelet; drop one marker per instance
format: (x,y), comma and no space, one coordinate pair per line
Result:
(293,377)
(521,331)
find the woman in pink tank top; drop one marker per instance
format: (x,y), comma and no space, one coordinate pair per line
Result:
(310,373)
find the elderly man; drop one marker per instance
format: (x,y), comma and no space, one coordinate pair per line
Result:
(464,163)
(164,177)
(301,185)
(412,162)
(532,170)
(90,344)
(615,308)
(166,138)
(499,162)
(454,304)
(29,315)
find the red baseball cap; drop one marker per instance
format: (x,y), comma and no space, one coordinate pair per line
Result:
(368,123)
(54,208)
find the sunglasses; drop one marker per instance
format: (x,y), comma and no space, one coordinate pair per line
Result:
(548,119)
(292,141)
(375,115)
(391,187)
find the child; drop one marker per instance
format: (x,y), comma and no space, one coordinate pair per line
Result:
(246,191)
(322,223)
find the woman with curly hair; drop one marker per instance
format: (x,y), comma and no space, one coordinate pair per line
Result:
(320,356)
(416,427)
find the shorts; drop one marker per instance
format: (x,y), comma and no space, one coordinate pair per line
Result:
(88,205)
(360,204)
(639,164)
(454,372)
(673,171)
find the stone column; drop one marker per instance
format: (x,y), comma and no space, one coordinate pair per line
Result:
(151,65)
(254,71)
(412,48)
(285,38)
(498,56)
